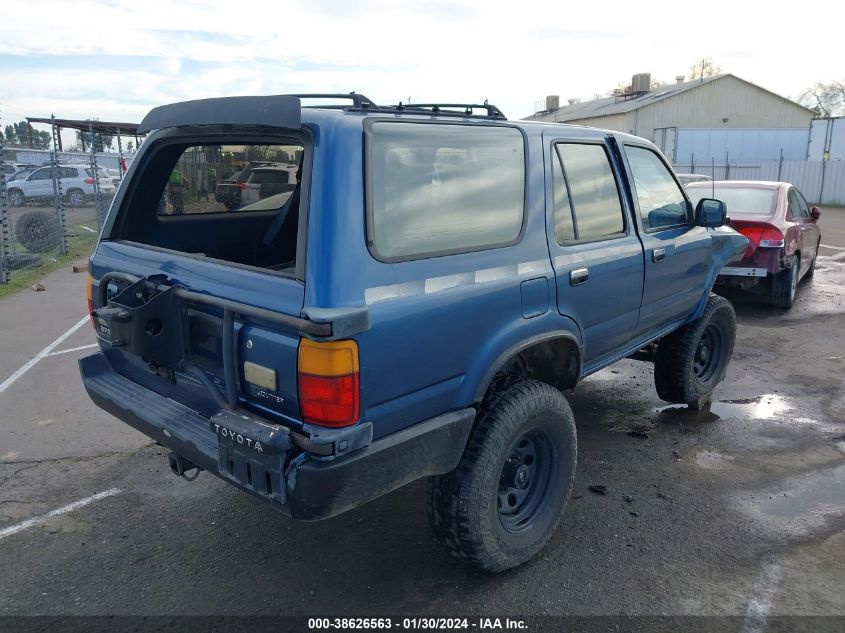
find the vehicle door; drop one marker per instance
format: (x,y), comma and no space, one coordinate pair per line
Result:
(39,184)
(596,255)
(810,234)
(677,253)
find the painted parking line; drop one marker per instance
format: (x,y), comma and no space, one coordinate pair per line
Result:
(89,229)
(42,354)
(20,527)
(834,248)
(72,349)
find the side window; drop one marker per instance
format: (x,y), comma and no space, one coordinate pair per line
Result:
(41,174)
(802,204)
(438,188)
(661,200)
(68,172)
(593,197)
(793,206)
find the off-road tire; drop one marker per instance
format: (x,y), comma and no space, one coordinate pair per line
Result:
(678,372)
(38,231)
(463,504)
(785,285)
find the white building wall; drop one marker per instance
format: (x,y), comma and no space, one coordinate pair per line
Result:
(740,144)
(744,105)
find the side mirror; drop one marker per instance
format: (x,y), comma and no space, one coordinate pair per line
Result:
(815,213)
(710,212)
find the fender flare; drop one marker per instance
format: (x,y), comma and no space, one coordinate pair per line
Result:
(524,344)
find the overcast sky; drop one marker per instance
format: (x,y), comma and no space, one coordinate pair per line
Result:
(115,59)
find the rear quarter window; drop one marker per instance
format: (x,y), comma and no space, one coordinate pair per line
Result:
(436,189)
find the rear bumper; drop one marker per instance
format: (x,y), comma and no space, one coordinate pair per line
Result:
(742,271)
(315,488)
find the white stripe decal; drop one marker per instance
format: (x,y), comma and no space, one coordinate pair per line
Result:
(446,282)
(14,529)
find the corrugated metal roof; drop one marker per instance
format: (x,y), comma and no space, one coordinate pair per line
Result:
(617,105)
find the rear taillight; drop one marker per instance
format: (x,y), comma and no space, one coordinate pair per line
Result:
(761,236)
(241,186)
(89,181)
(329,388)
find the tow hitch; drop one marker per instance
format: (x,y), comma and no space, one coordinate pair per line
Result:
(180,466)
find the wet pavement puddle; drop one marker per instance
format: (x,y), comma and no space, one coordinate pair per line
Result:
(763,407)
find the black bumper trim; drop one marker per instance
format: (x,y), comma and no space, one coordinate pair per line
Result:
(317,489)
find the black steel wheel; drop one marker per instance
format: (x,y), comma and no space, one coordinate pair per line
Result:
(525,479)
(708,354)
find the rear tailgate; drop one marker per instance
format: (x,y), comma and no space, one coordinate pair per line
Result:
(264,348)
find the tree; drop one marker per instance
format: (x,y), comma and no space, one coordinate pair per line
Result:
(102,142)
(21,133)
(703,68)
(825,98)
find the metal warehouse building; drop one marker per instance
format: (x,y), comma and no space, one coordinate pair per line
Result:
(697,119)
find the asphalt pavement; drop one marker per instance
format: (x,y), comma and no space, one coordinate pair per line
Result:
(735,510)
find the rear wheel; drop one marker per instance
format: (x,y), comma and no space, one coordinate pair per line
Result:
(76,197)
(502,503)
(785,285)
(693,359)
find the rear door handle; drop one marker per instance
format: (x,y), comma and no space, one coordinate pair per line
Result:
(579,276)
(658,254)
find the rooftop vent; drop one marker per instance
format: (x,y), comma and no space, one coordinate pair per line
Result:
(552,102)
(680,78)
(640,82)
(572,101)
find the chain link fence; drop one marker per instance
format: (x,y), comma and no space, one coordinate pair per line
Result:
(53,201)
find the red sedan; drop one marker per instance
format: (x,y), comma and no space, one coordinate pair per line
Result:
(782,231)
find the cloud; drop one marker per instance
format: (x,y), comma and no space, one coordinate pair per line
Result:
(118,58)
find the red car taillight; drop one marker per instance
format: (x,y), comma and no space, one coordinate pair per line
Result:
(761,236)
(329,384)
(89,181)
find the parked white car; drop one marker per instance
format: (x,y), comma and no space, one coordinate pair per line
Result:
(267,181)
(77,185)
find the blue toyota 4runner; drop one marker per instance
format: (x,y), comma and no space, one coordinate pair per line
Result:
(413,308)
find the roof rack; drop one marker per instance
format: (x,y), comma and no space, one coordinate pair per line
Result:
(450,109)
(358,100)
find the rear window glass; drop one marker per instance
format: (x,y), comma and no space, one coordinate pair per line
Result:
(755,201)
(212,179)
(270,175)
(438,188)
